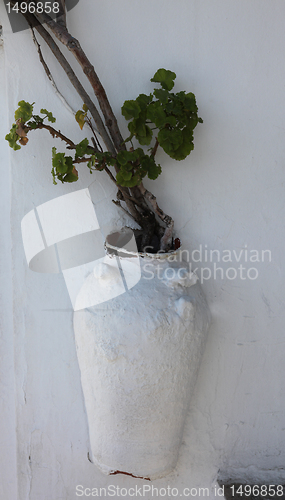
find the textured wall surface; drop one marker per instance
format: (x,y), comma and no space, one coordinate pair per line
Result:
(227,197)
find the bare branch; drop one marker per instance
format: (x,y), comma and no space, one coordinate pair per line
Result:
(118,204)
(154,149)
(74,46)
(73,79)
(56,133)
(49,75)
(88,122)
(141,204)
(166,240)
(82,160)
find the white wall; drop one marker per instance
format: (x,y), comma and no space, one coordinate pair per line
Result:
(8,470)
(229,195)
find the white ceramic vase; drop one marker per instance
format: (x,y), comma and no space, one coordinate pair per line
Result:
(139,354)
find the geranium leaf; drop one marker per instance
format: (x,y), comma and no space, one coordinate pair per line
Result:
(131,109)
(165,77)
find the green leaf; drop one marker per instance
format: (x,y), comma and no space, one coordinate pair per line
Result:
(165,78)
(138,153)
(49,115)
(154,171)
(12,138)
(69,163)
(126,175)
(89,165)
(53,173)
(132,128)
(104,159)
(183,151)
(145,139)
(36,119)
(61,163)
(111,161)
(191,121)
(162,95)
(141,131)
(143,100)
(124,157)
(156,114)
(180,95)
(70,177)
(134,181)
(190,102)
(85,107)
(131,109)
(24,112)
(178,144)
(170,120)
(119,178)
(175,106)
(82,148)
(186,146)
(33,125)
(148,164)
(80,118)
(170,140)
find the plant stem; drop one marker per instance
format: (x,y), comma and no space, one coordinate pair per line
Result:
(56,133)
(166,239)
(154,149)
(136,198)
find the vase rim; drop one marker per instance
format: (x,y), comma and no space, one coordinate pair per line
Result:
(128,232)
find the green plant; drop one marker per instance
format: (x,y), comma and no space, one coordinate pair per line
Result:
(162,118)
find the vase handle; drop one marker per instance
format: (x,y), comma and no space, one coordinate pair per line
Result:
(185,308)
(180,277)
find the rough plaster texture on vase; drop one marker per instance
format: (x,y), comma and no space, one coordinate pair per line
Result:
(139,355)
